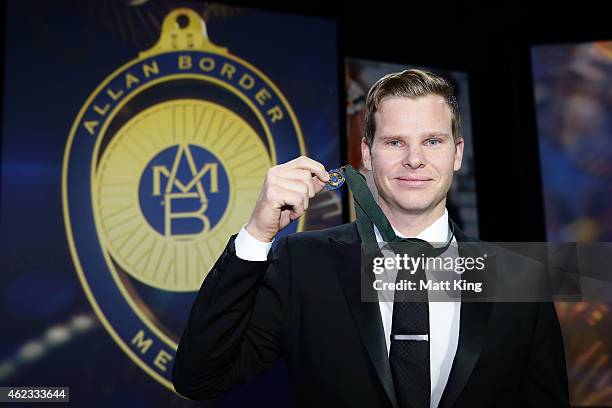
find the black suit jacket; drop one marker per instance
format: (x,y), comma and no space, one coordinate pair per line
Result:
(304,305)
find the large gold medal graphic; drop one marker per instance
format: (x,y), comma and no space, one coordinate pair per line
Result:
(140,202)
(163,164)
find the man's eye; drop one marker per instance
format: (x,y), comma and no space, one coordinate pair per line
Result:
(393,143)
(433,142)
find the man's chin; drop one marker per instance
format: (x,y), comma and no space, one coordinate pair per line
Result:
(414,208)
(409,207)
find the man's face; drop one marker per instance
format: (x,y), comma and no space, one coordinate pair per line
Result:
(413,155)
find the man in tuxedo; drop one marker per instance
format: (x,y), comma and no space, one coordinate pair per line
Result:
(304,304)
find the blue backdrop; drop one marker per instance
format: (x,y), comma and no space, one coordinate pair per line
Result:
(56,54)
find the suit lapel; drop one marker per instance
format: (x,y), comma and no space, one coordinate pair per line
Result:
(346,252)
(474,321)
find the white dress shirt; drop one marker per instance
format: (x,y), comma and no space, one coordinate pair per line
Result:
(443,316)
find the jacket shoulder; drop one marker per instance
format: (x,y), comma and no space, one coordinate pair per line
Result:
(344,232)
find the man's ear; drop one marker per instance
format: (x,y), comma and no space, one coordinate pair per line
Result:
(366,154)
(458,154)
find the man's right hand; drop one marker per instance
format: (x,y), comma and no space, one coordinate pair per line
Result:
(285,195)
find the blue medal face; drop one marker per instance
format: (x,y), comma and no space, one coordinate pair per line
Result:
(336,179)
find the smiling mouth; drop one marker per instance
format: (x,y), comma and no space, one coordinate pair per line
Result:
(413,182)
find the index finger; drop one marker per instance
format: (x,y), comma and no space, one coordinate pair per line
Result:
(313,166)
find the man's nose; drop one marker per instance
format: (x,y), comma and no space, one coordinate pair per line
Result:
(414,157)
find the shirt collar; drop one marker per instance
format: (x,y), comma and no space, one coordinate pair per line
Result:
(436,232)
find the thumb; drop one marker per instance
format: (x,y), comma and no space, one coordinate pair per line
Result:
(318,184)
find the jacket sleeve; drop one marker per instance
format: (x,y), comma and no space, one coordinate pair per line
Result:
(546,381)
(235,326)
